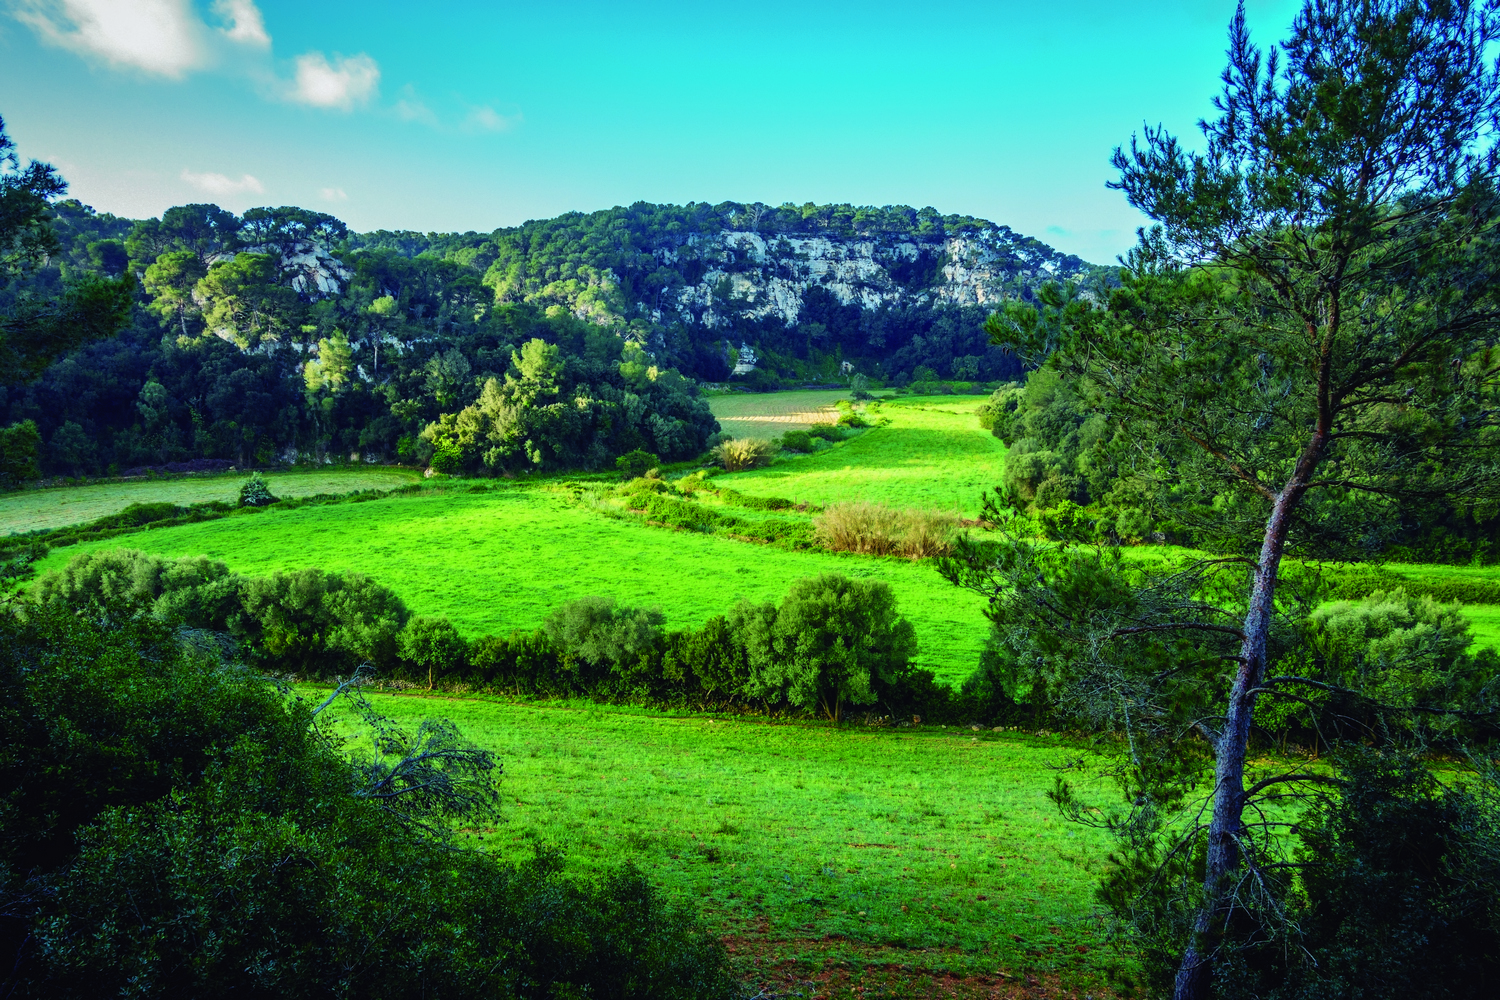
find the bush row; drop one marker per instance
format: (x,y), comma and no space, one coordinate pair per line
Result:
(831,644)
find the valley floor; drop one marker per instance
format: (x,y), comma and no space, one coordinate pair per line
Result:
(926,848)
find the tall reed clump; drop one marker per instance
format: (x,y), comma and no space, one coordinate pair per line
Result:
(877,530)
(744,453)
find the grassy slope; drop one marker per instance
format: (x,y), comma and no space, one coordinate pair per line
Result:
(501,559)
(31,510)
(932,454)
(940,841)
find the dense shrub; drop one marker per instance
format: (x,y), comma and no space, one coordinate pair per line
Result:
(18,454)
(255,492)
(1400,893)
(636,463)
(832,640)
(1387,666)
(308,622)
(798,440)
(598,633)
(231,852)
(138,514)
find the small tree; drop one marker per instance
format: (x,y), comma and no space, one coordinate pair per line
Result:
(832,640)
(255,492)
(432,644)
(18,454)
(634,464)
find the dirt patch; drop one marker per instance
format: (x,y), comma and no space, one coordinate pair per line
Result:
(847,969)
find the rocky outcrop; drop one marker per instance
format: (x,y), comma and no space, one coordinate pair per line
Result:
(766,276)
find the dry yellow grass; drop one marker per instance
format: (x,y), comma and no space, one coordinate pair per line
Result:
(876,530)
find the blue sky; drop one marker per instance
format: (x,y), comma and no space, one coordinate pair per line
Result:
(444,116)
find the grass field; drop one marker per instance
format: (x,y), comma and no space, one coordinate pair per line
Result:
(928,851)
(500,559)
(33,510)
(928,847)
(932,453)
(769,414)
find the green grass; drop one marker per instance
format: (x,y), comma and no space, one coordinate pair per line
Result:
(1484,622)
(933,453)
(930,847)
(57,507)
(771,414)
(500,559)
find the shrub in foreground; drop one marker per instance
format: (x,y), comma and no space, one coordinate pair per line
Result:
(235,850)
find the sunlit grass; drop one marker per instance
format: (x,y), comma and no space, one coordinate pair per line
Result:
(33,510)
(501,559)
(935,847)
(932,453)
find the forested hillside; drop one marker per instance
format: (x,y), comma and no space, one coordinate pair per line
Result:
(281,336)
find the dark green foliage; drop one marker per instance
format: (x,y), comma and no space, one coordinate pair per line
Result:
(1059,449)
(43,311)
(432,646)
(18,454)
(308,622)
(832,640)
(394,332)
(1387,667)
(122,886)
(600,635)
(837,639)
(636,463)
(1301,354)
(255,492)
(797,441)
(1399,895)
(138,514)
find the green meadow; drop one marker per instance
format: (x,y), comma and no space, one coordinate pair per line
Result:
(769,414)
(501,559)
(933,848)
(931,453)
(59,506)
(927,850)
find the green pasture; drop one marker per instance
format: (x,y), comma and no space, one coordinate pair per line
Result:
(771,414)
(57,507)
(932,453)
(500,559)
(931,847)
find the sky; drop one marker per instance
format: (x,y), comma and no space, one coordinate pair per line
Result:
(442,116)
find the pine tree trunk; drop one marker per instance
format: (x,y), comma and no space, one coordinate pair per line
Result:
(1193,980)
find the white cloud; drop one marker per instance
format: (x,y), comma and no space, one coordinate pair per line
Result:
(342,83)
(487,119)
(163,37)
(222,186)
(332,194)
(243,23)
(410,108)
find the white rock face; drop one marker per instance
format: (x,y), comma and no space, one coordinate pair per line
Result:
(754,276)
(311,270)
